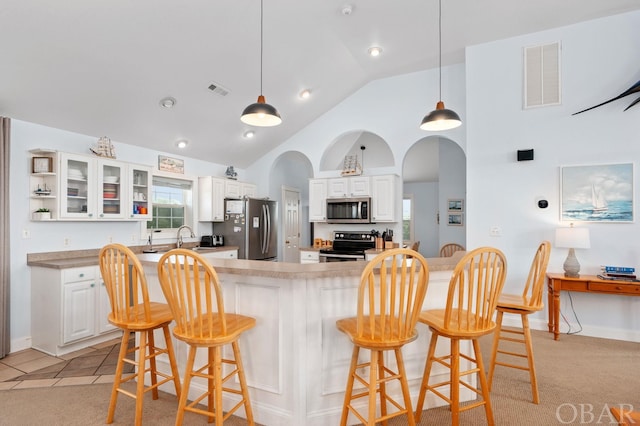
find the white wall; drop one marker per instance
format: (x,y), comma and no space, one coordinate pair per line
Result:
(425,211)
(49,236)
(599,60)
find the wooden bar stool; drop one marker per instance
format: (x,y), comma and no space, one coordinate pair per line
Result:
(447,250)
(474,288)
(132,311)
(524,304)
(390,297)
(192,289)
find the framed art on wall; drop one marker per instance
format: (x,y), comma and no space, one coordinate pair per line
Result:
(168,164)
(455,205)
(454,219)
(597,193)
(42,165)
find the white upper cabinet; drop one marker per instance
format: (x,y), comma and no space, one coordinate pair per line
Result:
(103,189)
(78,187)
(383,198)
(211,192)
(349,187)
(139,204)
(317,200)
(112,178)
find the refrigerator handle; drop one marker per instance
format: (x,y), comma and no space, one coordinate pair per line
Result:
(264,230)
(268,239)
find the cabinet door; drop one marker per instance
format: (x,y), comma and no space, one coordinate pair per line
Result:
(248,190)
(77,187)
(383,200)
(318,200)
(78,310)
(338,188)
(104,309)
(139,188)
(210,199)
(359,186)
(112,189)
(232,189)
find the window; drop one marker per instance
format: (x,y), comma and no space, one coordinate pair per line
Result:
(407,217)
(172,204)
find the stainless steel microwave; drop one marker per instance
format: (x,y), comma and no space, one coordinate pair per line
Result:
(349,210)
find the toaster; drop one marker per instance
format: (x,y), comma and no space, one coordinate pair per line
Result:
(206,241)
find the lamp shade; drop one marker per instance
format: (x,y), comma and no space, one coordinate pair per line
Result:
(261,114)
(440,119)
(573,238)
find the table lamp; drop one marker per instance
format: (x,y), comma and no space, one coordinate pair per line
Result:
(572,238)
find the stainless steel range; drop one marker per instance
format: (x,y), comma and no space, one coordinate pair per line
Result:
(348,246)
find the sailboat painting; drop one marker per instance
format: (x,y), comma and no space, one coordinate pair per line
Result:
(597,193)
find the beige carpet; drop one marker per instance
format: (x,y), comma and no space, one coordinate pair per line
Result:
(579,378)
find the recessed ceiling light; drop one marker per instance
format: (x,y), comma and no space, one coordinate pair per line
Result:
(375,51)
(168,102)
(305,94)
(182,143)
(249,134)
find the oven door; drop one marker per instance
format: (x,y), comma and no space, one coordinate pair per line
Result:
(337,257)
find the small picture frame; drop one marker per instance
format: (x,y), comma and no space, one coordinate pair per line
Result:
(42,165)
(455,219)
(455,205)
(168,164)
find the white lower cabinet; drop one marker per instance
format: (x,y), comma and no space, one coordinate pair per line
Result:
(309,256)
(222,254)
(69,309)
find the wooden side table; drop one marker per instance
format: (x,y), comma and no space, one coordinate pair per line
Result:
(557,282)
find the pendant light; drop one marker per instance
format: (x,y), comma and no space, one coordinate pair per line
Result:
(440,118)
(261,113)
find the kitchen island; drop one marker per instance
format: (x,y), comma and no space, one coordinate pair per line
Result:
(296,361)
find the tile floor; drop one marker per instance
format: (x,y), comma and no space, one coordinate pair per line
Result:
(31,368)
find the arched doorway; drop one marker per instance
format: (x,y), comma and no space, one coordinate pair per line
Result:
(434,173)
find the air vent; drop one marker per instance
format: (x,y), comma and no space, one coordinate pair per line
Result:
(218,89)
(542,75)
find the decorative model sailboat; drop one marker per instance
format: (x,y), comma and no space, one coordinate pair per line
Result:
(598,201)
(104,148)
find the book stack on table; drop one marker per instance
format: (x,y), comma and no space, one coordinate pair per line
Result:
(618,273)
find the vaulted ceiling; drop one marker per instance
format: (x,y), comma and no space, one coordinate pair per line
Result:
(101,68)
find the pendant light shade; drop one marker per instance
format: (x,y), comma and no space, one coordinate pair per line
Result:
(261,114)
(440,118)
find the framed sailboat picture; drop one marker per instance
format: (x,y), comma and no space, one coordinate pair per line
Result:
(597,193)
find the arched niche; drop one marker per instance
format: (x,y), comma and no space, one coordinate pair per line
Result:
(433,172)
(376,152)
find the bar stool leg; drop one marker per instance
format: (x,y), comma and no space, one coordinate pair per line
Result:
(124,343)
(185,385)
(347,393)
(483,383)
(405,387)
(243,382)
(425,377)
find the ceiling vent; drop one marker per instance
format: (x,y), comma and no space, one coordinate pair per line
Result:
(218,89)
(542,75)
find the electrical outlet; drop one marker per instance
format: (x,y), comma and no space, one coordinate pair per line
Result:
(26,233)
(495,231)
(66,241)
(133,238)
(110,240)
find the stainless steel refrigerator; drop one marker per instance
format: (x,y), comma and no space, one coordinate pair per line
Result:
(251,224)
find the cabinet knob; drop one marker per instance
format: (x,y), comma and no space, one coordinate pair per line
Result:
(81,275)
(93,284)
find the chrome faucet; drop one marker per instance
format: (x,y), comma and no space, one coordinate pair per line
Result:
(179,244)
